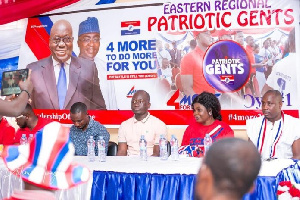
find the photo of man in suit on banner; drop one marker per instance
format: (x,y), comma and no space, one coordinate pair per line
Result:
(61,79)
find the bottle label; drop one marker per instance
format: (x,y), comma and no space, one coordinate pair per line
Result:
(142,147)
(163,148)
(174,148)
(91,148)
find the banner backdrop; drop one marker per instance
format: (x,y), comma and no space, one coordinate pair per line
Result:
(147,47)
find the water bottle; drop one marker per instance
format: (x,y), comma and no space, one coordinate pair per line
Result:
(91,149)
(101,149)
(207,142)
(163,148)
(30,138)
(174,148)
(23,140)
(143,148)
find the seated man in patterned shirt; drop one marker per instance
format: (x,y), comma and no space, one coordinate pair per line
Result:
(84,127)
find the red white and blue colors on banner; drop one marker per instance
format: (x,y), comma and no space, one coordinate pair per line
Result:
(128,49)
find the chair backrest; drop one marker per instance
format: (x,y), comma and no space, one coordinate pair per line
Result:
(112,149)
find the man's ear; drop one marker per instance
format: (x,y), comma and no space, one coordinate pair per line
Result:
(280,105)
(149,105)
(205,173)
(26,116)
(204,183)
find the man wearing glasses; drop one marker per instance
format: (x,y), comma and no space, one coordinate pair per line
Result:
(61,79)
(89,44)
(142,123)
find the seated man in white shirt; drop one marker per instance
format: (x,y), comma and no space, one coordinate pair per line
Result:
(142,123)
(275,134)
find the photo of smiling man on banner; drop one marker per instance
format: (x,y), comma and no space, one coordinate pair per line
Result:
(89,44)
(61,79)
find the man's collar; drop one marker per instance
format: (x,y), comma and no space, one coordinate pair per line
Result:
(56,63)
(143,120)
(89,122)
(277,121)
(281,118)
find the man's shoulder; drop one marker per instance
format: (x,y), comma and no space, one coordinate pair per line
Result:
(189,55)
(82,62)
(192,57)
(255,120)
(128,121)
(99,61)
(95,123)
(156,120)
(38,65)
(100,64)
(291,119)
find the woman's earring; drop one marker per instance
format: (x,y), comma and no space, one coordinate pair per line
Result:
(209,113)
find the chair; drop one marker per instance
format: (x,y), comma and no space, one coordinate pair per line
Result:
(112,149)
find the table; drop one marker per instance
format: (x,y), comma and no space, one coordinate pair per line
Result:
(271,173)
(130,178)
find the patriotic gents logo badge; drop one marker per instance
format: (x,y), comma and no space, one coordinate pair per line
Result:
(226,66)
(130,28)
